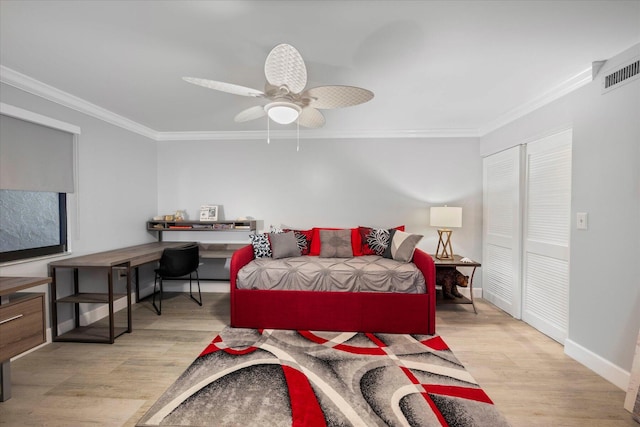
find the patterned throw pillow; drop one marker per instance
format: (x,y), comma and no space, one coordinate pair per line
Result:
(402,245)
(261,245)
(303,238)
(375,240)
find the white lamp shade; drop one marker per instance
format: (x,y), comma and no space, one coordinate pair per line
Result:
(446,217)
(283,112)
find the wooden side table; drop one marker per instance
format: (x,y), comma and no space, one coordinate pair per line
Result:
(457,262)
(22,323)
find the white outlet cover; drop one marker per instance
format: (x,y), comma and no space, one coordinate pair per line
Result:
(582,221)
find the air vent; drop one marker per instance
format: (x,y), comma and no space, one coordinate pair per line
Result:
(624,74)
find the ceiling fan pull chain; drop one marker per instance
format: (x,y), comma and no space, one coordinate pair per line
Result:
(298,134)
(268,132)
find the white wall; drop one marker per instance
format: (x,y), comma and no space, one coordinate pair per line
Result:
(117,180)
(340,183)
(604,311)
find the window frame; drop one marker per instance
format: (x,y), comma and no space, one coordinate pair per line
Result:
(27,254)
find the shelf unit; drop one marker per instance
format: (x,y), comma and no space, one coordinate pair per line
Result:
(229,226)
(93,333)
(218,250)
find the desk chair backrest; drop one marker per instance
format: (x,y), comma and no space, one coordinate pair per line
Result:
(177,262)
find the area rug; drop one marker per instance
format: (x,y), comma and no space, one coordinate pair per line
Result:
(249,377)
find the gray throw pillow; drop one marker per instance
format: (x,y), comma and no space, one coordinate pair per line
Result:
(335,244)
(284,245)
(402,245)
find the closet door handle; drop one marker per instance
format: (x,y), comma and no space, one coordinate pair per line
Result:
(2,322)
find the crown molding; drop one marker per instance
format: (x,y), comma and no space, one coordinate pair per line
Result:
(30,116)
(38,88)
(581,79)
(315,134)
(43,90)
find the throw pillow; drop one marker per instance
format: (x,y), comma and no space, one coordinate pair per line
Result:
(261,246)
(303,237)
(273,229)
(284,245)
(402,245)
(356,244)
(335,244)
(375,240)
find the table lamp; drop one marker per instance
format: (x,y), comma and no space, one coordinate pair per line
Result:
(445,217)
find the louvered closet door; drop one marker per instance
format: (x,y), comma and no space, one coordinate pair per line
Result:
(501,284)
(545,299)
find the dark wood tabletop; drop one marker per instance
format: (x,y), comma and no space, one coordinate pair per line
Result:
(135,255)
(10,285)
(455,262)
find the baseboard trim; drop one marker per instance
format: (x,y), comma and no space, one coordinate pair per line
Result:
(601,366)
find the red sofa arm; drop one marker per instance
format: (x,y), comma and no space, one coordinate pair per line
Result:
(239,259)
(425,264)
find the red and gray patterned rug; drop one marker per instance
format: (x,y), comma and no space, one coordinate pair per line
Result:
(249,377)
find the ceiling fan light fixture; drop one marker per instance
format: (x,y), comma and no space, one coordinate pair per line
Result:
(283,112)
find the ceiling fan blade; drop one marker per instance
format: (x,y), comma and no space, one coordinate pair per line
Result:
(224,87)
(251,113)
(311,118)
(285,66)
(327,97)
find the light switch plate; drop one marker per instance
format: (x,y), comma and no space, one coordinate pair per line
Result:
(582,221)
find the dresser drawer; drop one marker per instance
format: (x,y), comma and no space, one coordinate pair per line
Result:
(21,324)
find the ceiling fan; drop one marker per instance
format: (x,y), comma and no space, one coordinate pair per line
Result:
(286,76)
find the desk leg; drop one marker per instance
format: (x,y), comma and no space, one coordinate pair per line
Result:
(137,284)
(471,290)
(112,334)
(76,291)
(5,368)
(5,380)
(53,295)
(129,322)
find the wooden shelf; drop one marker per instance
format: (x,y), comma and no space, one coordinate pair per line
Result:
(92,298)
(94,334)
(441,300)
(249,225)
(219,254)
(219,250)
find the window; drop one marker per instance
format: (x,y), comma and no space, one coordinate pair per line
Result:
(32,224)
(36,174)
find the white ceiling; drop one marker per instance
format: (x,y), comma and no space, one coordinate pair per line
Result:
(450,67)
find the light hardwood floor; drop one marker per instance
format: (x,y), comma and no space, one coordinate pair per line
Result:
(526,374)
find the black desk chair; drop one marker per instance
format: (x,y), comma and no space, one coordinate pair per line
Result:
(176,263)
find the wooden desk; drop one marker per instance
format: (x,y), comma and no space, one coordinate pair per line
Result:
(456,262)
(112,262)
(22,325)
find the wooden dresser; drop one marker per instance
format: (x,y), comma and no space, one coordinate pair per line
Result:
(22,322)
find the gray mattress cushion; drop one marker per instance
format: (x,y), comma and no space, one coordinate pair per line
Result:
(368,273)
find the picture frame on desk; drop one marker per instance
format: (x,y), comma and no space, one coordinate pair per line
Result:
(209,213)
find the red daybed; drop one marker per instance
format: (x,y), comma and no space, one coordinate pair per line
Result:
(334,311)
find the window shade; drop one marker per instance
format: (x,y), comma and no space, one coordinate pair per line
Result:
(35,157)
